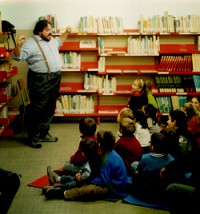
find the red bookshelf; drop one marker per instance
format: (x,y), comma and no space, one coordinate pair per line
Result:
(125,67)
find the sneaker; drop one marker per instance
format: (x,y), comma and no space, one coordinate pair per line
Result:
(54,193)
(51,175)
(44,189)
(48,138)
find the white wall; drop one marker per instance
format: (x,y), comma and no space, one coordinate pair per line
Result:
(24,13)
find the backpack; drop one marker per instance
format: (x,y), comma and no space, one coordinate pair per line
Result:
(185,145)
(9,184)
(7,27)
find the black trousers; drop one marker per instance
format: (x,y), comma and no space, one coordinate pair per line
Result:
(43,90)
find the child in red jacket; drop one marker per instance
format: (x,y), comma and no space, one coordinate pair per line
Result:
(128,147)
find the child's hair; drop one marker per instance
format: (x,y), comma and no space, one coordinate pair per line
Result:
(151,112)
(180,118)
(106,139)
(127,126)
(125,113)
(148,85)
(140,118)
(141,85)
(159,143)
(191,110)
(87,126)
(90,149)
(172,140)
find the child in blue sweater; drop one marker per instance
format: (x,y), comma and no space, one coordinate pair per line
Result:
(146,181)
(112,179)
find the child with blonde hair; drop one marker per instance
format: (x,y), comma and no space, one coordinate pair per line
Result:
(128,147)
(138,97)
(124,113)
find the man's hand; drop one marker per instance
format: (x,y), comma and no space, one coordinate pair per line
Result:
(21,40)
(68,29)
(19,43)
(64,36)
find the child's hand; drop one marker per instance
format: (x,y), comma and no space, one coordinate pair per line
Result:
(78,176)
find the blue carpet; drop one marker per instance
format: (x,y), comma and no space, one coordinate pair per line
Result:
(135,200)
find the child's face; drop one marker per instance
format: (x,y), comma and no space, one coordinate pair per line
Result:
(171,124)
(196,103)
(136,88)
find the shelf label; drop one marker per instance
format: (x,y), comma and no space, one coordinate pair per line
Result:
(181,93)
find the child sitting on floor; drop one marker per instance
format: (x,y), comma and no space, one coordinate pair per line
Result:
(90,168)
(87,129)
(112,180)
(124,113)
(151,116)
(128,147)
(142,132)
(146,180)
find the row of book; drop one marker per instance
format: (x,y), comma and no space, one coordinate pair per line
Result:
(149,45)
(167,103)
(71,60)
(102,84)
(175,83)
(196,79)
(143,45)
(91,24)
(176,63)
(52,19)
(196,62)
(169,23)
(74,104)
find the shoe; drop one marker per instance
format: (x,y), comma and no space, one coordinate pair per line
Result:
(54,193)
(48,138)
(44,189)
(59,172)
(35,144)
(51,175)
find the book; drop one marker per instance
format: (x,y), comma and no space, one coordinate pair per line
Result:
(87,43)
(114,111)
(113,71)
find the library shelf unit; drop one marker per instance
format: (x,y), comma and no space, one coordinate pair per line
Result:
(108,63)
(8,91)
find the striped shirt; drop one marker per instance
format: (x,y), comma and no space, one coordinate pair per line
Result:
(32,54)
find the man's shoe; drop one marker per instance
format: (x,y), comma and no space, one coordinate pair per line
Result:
(35,144)
(48,138)
(51,175)
(54,193)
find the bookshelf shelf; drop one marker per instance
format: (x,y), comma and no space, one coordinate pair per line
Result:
(113,60)
(8,90)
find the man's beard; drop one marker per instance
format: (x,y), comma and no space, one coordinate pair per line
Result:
(46,37)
